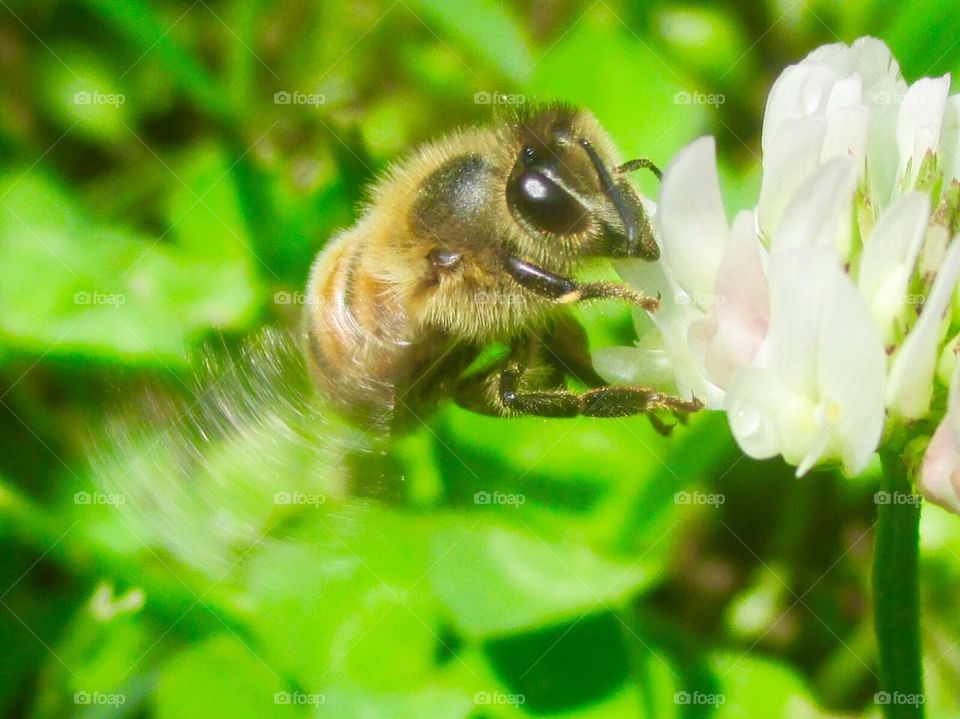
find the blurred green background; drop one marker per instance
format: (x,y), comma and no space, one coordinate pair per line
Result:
(167,172)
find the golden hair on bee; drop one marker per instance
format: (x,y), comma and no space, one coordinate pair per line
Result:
(474,239)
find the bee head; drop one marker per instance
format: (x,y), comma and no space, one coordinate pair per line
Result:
(562,185)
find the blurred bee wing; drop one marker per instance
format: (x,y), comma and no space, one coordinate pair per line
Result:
(250,448)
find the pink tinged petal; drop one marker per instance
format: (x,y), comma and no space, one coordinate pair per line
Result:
(910,384)
(767,417)
(768,403)
(789,162)
(815,390)
(691,218)
(919,123)
(940,473)
(673,319)
(742,310)
(889,259)
(820,214)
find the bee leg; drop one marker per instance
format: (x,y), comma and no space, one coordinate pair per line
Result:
(516,394)
(659,425)
(566,346)
(641,163)
(565,290)
(609,401)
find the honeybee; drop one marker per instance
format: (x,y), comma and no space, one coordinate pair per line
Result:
(472,242)
(456,282)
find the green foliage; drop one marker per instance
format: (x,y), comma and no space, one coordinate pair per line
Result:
(156,192)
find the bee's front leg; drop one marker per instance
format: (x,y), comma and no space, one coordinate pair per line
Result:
(566,290)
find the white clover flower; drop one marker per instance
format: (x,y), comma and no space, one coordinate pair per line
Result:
(818,320)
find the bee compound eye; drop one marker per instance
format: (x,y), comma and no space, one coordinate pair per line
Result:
(545,204)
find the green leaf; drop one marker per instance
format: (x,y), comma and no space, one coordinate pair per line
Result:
(761,688)
(109,291)
(221,677)
(558,451)
(82,94)
(139,22)
(938,24)
(348,604)
(486,29)
(431,701)
(574,664)
(497,581)
(636,97)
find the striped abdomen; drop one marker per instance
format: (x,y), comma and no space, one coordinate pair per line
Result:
(358,338)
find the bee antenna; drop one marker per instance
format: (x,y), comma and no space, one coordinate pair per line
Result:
(613,192)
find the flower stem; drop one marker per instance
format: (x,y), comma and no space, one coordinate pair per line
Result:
(896,592)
